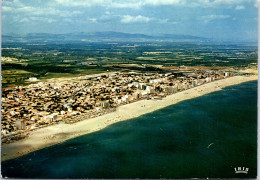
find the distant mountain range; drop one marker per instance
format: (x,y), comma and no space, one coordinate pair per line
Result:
(97,36)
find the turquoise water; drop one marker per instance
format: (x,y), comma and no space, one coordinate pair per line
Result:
(203,137)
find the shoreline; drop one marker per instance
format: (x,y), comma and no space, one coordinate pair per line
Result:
(55,134)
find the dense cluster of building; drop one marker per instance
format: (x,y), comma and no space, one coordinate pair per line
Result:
(36,105)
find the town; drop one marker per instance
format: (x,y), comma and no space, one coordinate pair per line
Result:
(25,108)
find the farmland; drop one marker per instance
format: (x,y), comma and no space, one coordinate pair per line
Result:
(21,61)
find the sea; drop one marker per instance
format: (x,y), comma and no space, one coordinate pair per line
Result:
(205,137)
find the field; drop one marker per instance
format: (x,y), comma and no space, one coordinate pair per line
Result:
(20,61)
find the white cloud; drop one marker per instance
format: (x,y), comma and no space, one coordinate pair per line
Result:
(131,5)
(174,22)
(25,20)
(20,12)
(130,19)
(165,2)
(9,5)
(7,9)
(136,4)
(82,3)
(134,19)
(225,2)
(212,17)
(15,6)
(41,19)
(240,7)
(27,9)
(33,19)
(93,20)
(163,20)
(55,9)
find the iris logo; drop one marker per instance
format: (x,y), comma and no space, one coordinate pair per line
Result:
(241,170)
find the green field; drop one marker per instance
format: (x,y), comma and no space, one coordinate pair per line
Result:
(75,59)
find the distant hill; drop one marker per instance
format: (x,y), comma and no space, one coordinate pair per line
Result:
(96,36)
(110,34)
(174,36)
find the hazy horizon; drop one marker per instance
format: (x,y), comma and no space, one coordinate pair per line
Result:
(213,19)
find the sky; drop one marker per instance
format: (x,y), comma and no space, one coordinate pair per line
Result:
(217,19)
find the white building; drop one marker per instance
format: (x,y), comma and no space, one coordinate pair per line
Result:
(32,79)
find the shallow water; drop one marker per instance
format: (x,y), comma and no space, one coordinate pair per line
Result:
(203,137)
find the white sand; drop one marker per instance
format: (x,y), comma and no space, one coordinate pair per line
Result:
(55,134)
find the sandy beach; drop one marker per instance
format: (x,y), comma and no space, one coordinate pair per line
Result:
(55,134)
